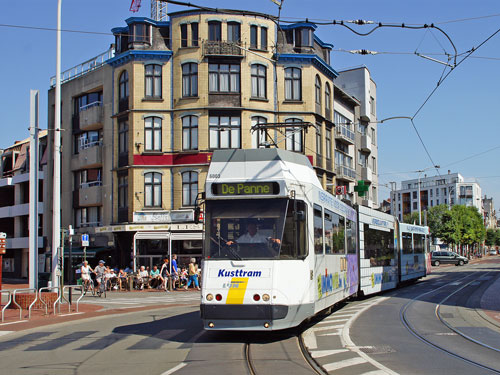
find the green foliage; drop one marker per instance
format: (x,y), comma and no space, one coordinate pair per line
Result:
(492,237)
(460,225)
(411,218)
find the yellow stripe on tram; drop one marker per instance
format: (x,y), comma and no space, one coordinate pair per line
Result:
(237,291)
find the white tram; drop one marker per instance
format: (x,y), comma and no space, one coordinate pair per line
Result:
(270,260)
(278,248)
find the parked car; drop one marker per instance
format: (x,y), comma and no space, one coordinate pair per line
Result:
(493,252)
(447,257)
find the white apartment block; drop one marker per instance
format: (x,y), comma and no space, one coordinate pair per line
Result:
(449,189)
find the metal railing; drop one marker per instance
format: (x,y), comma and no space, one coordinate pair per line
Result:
(9,294)
(343,131)
(76,287)
(28,290)
(85,185)
(85,67)
(89,144)
(90,105)
(48,288)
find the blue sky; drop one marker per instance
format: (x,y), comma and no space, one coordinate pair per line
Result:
(458,121)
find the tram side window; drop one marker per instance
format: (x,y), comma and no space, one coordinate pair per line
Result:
(288,248)
(334,233)
(318,230)
(407,243)
(351,236)
(379,246)
(419,243)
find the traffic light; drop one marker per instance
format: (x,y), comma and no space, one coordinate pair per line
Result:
(361,188)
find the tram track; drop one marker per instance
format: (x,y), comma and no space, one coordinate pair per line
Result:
(312,366)
(406,322)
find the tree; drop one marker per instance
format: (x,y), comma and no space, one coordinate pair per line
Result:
(411,218)
(442,224)
(491,237)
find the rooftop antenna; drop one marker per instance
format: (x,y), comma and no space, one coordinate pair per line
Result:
(159,10)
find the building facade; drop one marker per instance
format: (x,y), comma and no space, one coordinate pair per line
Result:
(449,189)
(142,122)
(489,213)
(14,205)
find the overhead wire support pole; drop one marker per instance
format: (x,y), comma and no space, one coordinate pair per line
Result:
(34,191)
(56,214)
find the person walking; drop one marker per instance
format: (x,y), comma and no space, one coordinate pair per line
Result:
(164,274)
(193,274)
(174,272)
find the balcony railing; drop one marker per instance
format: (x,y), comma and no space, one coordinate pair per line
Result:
(90,224)
(344,133)
(85,67)
(221,48)
(345,172)
(84,185)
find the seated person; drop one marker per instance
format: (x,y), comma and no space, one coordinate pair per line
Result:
(253,236)
(183,277)
(110,277)
(122,279)
(156,279)
(142,277)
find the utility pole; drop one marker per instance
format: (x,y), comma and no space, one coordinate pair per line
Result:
(56,218)
(33,210)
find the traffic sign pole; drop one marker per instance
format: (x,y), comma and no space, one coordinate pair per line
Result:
(3,246)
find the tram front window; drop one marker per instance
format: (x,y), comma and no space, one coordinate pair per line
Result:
(245,229)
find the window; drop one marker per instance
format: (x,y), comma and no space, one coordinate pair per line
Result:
(86,178)
(123,85)
(259,136)
(189,188)
(224,131)
(374,193)
(123,136)
(362,159)
(328,144)
(294,136)
(351,236)
(189,79)
(414,205)
(258,76)
(362,128)
(253,36)
(303,37)
(214,31)
(407,243)
(263,38)
(318,230)
(224,78)
(334,233)
(86,101)
(379,246)
(152,189)
(374,165)
(152,134)
(87,139)
(437,202)
(372,106)
(123,191)
(419,243)
(194,34)
(233,32)
(141,33)
(190,133)
(293,84)
(431,191)
(317,86)
(153,81)
(432,203)
(327,98)
(88,217)
(184,35)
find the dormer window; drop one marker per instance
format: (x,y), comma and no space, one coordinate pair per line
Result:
(141,33)
(303,37)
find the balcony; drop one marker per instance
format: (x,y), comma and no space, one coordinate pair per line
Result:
(18,210)
(344,134)
(366,143)
(366,174)
(345,173)
(221,48)
(91,116)
(89,156)
(22,242)
(89,194)
(367,203)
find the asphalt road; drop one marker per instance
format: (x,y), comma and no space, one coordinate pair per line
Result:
(367,336)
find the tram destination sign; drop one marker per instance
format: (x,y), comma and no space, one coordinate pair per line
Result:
(246,188)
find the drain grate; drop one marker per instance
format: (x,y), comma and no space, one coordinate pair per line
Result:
(382,349)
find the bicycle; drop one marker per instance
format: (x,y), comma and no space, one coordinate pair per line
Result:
(88,285)
(102,287)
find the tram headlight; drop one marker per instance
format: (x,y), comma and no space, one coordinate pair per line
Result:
(266,325)
(265,297)
(211,325)
(209,297)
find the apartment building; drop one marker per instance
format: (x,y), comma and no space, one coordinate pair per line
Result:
(489,213)
(449,189)
(14,205)
(142,120)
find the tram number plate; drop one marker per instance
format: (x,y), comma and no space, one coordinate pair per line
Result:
(231,285)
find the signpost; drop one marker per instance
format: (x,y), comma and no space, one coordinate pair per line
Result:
(85,243)
(3,246)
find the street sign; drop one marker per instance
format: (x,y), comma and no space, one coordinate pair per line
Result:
(85,240)
(3,243)
(340,190)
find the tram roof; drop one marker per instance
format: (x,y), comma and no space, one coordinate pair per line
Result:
(260,154)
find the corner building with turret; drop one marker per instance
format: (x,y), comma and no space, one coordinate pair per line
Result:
(141,122)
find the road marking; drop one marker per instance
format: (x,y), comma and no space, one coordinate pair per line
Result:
(455,283)
(334,316)
(76,313)
(345,363)
(3,333)
(19,321)
(446,334)
(331,333)
(310,339)
(174,369)
(328,321)
(314,329)
(376,372)
(324,353)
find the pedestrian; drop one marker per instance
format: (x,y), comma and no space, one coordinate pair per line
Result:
(164,274)
(193,274)
(174,272)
